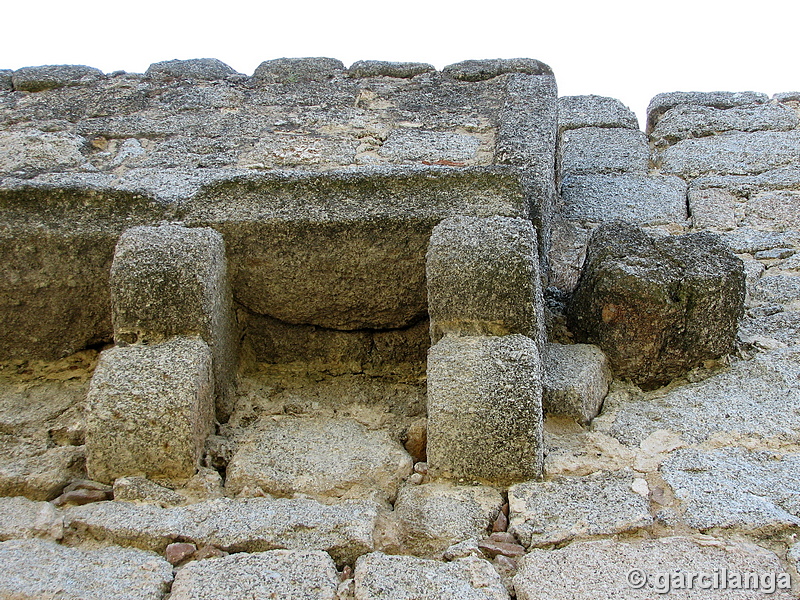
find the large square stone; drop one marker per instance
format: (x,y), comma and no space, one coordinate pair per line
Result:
(485,408)
(149,410)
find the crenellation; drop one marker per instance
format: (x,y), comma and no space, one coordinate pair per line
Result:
(354,332)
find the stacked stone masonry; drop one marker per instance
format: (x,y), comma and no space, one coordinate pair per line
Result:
(384,332)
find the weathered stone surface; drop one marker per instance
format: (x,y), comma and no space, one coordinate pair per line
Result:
(479,70)
(774,254)
(786,97)
(379,68)
(41,425)
(657,306)
(566,254)
(483,278)
(6,83)
(54,295)
(575,379)
(783,327)
(149,410)
(484,408)
(609,570)
(36,569)
(382,577)
(172,280)
(567,508)
(739,402)
(782,178)
(575,112)
(691,121)
(295,574)
(744,239)
(297,70)
(463,550)
(232,126)
(777,211)
(755,491)
(732,154)
(434,516)
(528,130)
(141,489)
(319,457)
(644,199)
(354,257)
(777,289)
(527,137)
(661,103)
(23,518)
(48,77)
(334,351)
(345,530)
(604,150)
(712,209)
(410,145)
(33,470)
(32,150)
(194,68)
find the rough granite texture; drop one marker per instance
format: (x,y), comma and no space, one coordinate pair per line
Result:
(326,185)
(382,577)
(295,574)
(149,410)
(638,198)
(49,77)
(345,530)
(712,209)
(603,150)
(692,121)
(485,408)
(483,278)
(741,401)
(478,70)
(293,166)
(38,569)
(379,68)
(434,516)
(192,69)
(776,211)
(657,306)
(297,70)
(22,518)
(732,154)
(317,457)
(609,570)
(756,491)
(567,508)
(171,280)
(575,380)
(575,112)
(661,103)
(354,259)
(54,295)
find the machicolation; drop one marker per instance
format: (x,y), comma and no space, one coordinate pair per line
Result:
(387,332)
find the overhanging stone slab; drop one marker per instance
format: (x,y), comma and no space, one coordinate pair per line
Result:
(57,245)
(344,250)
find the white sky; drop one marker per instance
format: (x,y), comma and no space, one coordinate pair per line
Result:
(626,49)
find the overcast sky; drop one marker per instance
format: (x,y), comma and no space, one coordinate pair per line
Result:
(630,50)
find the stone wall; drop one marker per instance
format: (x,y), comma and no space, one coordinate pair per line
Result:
(385,331)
